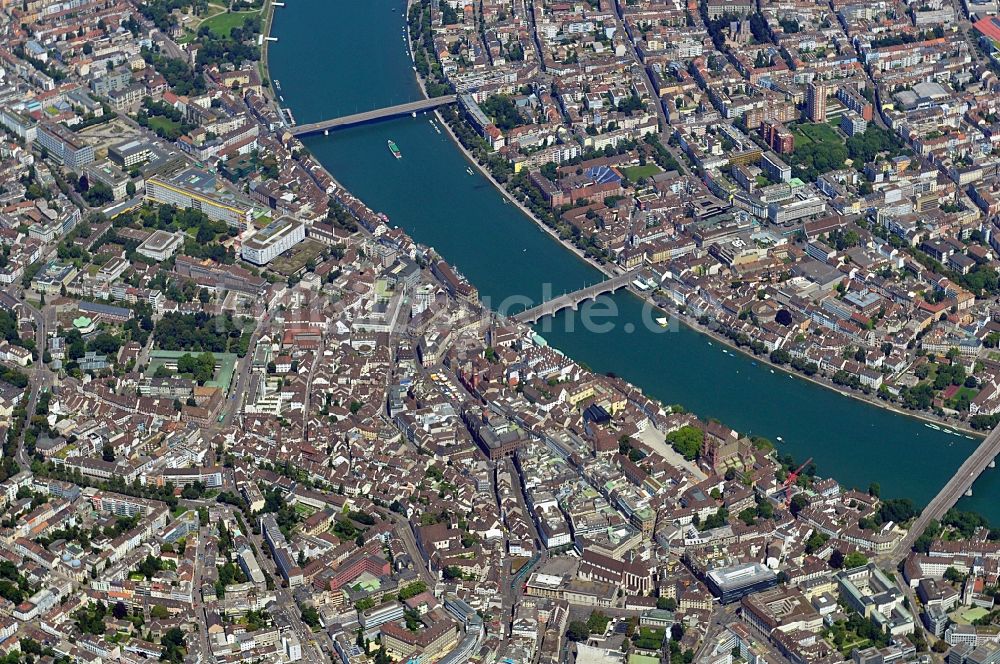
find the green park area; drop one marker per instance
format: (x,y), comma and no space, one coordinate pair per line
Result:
(219,19)
(649,638)
(222,24)
(815,133)
(636,658)
(164,126)
(304,511)
(962,398)
(818,149)
(168,362)
(633,173)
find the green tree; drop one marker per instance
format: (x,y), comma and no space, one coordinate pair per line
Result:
(798,503)
(597,623)
(174,646)
(310,616)
(953,575)
(687,441)
(666,603)
(855,559)
(577,631)
(816,541)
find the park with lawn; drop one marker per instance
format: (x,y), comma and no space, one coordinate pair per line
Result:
(635,173)
(818,149)
(222,24)
(164,126)
(208,369)
(220,20)
(649,638)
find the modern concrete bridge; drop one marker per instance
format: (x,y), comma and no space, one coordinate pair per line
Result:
(959,484)
(369,116)
(575,298)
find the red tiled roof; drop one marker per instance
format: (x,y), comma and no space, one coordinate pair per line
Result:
(989,27)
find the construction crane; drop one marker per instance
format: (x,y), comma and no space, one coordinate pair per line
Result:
(790,482)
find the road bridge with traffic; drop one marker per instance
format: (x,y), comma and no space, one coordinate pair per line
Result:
(373,115)
(960,483)
(574,299)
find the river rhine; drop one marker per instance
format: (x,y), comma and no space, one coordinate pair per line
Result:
(336,57)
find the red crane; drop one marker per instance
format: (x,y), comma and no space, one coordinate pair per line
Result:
(790,481)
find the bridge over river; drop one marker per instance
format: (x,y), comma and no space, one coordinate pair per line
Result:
(371,116)
(574,299)
(960,483)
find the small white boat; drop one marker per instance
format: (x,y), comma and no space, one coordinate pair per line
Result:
(468,170)
(772,370)
(413,114)
(779,438)
(710,343)
(662,322)
(932,426)
(970,437)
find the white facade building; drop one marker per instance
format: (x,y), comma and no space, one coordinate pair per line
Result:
(273,240)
